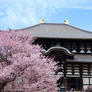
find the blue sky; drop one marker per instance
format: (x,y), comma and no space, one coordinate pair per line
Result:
(16,14)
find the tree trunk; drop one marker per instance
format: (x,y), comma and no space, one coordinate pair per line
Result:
(1,90)
(2,86)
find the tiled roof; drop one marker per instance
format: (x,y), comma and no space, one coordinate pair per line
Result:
(54,30)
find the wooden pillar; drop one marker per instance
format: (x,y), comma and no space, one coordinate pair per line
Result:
(72,69)
(65,78)
(77,83)
(65,83)
(88,69)
(81,80)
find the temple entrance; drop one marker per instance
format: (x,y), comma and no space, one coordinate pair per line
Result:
(73,83)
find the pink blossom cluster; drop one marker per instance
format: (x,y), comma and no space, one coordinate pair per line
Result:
(20,59)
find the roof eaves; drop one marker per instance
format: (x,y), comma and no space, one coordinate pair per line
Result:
(79,29)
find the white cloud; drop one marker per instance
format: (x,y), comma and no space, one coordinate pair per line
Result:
(21,13)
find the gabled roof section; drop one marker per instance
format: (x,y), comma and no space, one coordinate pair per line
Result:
(55,30)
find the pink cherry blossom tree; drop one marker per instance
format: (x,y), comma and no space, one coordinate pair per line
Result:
(19,58)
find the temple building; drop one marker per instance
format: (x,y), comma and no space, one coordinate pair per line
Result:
(71,48)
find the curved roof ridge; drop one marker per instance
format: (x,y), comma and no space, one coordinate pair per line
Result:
(58,48)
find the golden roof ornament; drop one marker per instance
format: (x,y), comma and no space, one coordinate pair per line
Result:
(41,20)
(66,21)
